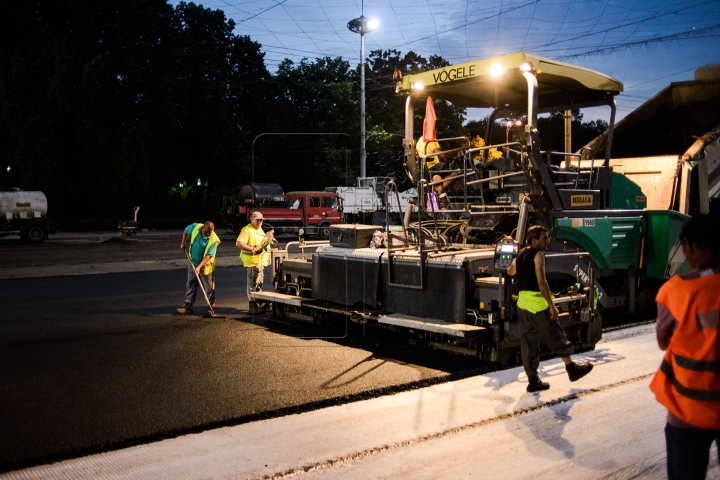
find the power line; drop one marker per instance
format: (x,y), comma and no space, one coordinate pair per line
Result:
(260,13)
(624,46)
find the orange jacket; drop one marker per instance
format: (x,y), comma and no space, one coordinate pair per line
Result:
(688,381)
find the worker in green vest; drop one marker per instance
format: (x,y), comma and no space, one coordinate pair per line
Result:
(202,252)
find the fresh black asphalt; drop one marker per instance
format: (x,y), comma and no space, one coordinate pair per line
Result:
(98,362)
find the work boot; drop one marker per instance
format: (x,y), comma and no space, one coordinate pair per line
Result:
(576,372)
(185,309)
(535,384)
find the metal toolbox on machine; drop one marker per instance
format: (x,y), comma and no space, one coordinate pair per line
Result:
(352,236)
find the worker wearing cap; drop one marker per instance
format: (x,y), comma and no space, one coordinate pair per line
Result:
(252,242)
(203,248)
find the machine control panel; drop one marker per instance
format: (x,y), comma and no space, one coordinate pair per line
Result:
(505,251)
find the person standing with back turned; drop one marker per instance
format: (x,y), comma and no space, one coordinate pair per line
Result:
(537,314)
(688,381)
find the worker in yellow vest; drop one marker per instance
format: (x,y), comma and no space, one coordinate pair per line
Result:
(688,381)
(202,252)
(253,243)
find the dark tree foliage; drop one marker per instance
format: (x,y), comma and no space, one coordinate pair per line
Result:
(105,105)
(478,128)
(552,131)
(385,118)
(317,109)
(108,104)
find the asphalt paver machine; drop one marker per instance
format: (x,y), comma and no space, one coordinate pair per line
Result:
(442,278)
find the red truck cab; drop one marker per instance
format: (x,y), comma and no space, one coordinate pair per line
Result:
(306,213)
(321,209)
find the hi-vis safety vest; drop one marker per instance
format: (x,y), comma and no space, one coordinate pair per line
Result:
(255,239)
(210,265)
(688,381)
(533,302)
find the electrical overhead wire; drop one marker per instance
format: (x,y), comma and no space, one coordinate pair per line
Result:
(462,31)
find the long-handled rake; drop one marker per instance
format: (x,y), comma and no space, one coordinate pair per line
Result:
(211,311)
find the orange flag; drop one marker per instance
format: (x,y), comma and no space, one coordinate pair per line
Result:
(429,123)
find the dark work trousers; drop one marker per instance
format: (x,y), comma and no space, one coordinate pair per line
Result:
(532,327)
(688,451)
(191,287)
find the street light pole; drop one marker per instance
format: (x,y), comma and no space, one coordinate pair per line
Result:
(362,26)
(363,151)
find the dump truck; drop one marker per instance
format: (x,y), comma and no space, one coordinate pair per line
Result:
(442,280)
(24,213)
(308,213)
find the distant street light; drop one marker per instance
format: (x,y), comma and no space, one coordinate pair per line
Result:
(362,26)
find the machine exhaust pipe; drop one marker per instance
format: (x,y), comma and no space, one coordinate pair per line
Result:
(522,222)
(408,213)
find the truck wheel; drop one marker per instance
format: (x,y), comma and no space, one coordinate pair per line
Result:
(324,231)
(35,233)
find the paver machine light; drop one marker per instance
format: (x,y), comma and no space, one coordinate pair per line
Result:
(442,279)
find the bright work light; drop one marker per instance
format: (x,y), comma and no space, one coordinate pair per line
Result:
(496,70)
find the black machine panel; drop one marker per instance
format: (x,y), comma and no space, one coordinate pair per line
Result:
(352,236)
(443,296)
(345,280)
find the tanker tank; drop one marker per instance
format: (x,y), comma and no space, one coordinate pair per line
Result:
(24,213)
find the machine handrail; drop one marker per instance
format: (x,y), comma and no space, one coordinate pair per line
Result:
(389,184)
(579,155)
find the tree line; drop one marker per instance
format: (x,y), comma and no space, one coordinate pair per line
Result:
(109,104)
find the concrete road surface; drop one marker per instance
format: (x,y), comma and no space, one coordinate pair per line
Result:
(606,425)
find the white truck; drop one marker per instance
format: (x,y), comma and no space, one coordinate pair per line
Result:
(365,203)
(24,213)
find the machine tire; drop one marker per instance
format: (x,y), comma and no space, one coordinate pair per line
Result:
(35,233)
(324,231)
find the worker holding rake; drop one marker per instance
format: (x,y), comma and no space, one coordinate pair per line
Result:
(201,264)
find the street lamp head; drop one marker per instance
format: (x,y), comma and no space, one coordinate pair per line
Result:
(363,25)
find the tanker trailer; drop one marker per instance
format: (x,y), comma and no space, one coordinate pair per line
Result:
(24,213)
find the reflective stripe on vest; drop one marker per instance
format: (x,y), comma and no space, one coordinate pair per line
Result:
(692,393)
(688,381)
(210,265)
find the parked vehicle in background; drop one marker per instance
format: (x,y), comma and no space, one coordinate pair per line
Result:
(24,213)
(365,202)
(304,212)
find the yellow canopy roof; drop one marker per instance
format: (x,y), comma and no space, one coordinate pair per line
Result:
(471,84)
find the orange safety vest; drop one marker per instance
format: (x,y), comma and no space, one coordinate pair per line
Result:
(688,381)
